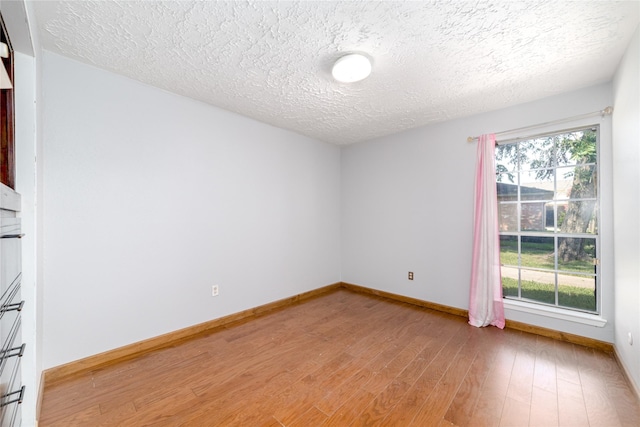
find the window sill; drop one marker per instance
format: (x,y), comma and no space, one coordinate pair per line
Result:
(556,313)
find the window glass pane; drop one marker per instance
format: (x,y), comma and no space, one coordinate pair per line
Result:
(577,291)
(578,217)
(506,158)
(577,182)
(537,185)
(509,281)
(507,191)
(576,254)
(563,185)
(536,153)
(538,286)
(537,252)
(576,148)
(534,217)
(509,250)
(549,213)
(508,217)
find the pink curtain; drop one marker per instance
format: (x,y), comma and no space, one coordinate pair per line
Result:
(485,299)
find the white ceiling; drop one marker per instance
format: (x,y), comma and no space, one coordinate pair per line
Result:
(432,60)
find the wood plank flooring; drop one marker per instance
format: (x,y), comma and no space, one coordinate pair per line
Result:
(346,358)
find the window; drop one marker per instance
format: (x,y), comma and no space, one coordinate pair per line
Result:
(548,219)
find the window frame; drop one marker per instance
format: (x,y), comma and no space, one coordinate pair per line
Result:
(519,303)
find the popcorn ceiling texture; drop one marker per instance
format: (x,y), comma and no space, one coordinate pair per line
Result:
(432,61)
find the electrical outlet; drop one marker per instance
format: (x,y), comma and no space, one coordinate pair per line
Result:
(214,291)
(411,275)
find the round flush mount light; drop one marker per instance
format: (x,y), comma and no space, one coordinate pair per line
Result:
(351,68)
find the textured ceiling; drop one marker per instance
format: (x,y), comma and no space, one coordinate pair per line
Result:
(432,60)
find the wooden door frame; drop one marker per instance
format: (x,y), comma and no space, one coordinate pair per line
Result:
(7,109)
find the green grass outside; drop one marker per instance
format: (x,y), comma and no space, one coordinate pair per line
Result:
(568,296)
(538,255)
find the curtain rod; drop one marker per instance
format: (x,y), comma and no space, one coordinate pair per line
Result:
(605,112)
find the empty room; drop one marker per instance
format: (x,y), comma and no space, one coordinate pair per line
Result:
(320,213)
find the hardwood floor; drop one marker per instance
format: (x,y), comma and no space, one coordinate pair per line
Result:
(346,358)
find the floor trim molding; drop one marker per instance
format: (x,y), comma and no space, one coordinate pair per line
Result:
(40,397)
(130,351)
(560,336)
(139,348)
(627,374)
(511,324)
(408,300)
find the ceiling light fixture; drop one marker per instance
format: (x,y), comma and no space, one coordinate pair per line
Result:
(351,68)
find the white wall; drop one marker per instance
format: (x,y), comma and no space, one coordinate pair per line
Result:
(152,198)
(626,193)
(407,205)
